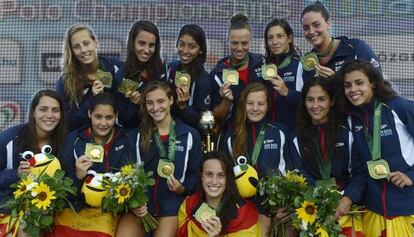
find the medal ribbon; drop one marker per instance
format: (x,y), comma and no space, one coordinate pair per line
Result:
(375,143)
(285,62)
(104,139)
(320,54)
(239,65)
(258,144)
(324,161)
(171,143)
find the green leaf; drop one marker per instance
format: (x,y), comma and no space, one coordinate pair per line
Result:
(46,220)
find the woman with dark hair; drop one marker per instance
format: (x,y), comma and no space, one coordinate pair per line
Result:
(46,126)
(234,72)
(383,128)
(260,141)
(188,76)
(322,147)
(331,52)
(172,151)
(287,83)
(234,216)
(84,74)
(142,65)
(87,154)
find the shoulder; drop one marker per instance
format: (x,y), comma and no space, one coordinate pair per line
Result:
(111,64)
(256,59)
(220,65)
(11,133)
(183,128)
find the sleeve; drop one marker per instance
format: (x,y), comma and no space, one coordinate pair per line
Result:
(286,152)
(364,51)
(192,174)
(293,96)
(7,176)
(216,82)
(68,160)
(128,112)
(297,160)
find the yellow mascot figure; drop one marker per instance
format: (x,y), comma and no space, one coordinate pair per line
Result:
(93,189)
(246,178)
(42,163)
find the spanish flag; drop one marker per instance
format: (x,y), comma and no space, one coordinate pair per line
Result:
(376,225)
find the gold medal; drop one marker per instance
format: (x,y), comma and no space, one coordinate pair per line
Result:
(165,168)
(269,71)
(128,85)
(231,76)
(94,152)
(378,169)
(204,212)
(104,77)
(182,79)
(309,61)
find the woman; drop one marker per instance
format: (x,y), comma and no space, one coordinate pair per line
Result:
(262,142)
(287,83)
(331,52)
(172,151)
(194,98)
(234,72)
(46,126)
(319,131)
(142,65)
(383,129)
(84,74)
(234,216)
(83,165)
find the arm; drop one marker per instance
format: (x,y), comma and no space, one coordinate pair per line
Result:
(192,175)
(364,51)
(297,161)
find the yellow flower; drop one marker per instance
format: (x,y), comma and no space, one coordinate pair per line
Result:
(43,196)
(307,212)
(321,232)
(127,170)
(22,186)
(123,193)
(294,177)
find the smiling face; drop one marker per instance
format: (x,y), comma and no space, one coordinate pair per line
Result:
(256,106)
(277,40)
(316,29)
(102,120)
(239,43)
(46,115)
(358,89)
(158,105)
(84,48)
(318,104)
(188,49)
(144,46)
(213,181)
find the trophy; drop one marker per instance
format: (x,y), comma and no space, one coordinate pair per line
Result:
(207,124)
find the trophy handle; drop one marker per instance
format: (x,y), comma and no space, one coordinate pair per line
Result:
(208,148)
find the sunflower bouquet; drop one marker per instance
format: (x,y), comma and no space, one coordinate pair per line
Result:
(281,191)
(314,214)
(127,190)
(36,199)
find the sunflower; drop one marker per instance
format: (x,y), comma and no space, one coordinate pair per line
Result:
(22,186)
(43,197)
(307,212)
(296,178)
(321,232)
(123,193)
(127,170)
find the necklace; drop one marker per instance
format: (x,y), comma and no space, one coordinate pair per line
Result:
(331,44)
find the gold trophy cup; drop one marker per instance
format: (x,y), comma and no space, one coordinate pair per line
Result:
(207,124)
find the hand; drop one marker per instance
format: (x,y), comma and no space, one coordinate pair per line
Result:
(212,226)
(82,165)
(279,85)
(225,91)
(400,179)
(24,168)
(183,96)
(140,211)
(174,185)
(97,87)
(324,71)
(343,207)
(282,215)
(134,97)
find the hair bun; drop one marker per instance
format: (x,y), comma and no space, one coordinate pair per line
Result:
(238,17)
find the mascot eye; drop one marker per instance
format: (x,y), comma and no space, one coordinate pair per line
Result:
(242,160)
(46,149)
(27,155)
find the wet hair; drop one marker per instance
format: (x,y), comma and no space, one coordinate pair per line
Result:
(382,89)
(75,77)
(240,146)
(154,64)
(147,125)
(307,132)
(317,6)
(270,57)
(104,98)
(196,67)
(231,196)
(238,22)
(28,137)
